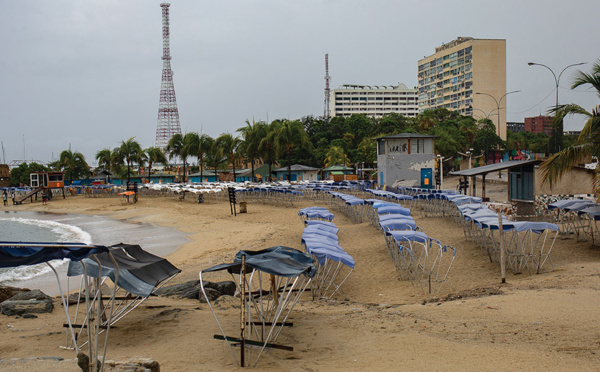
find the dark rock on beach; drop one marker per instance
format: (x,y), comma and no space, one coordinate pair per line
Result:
(226,288)
(189,290)
(7,292)
(212,295)
(192,290)
(27,303)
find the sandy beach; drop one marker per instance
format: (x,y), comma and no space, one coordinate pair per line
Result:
(533,322)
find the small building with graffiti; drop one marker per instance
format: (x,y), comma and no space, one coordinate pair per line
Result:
(404,158)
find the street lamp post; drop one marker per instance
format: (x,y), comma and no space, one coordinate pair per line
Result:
(487,115)
(441,159)
(498,101)
(498,108)
(556,131)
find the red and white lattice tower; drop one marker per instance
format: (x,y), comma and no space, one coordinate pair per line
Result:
(168,115)
(327,78)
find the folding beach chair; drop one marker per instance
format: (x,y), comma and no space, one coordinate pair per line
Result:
(14,254)
(573,221)
(137,275)
(409,253)
(270,283)
(589,219)
(333,264)
(437,266)
(560,215)
(533,243)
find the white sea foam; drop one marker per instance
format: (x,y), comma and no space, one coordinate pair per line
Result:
(63,232)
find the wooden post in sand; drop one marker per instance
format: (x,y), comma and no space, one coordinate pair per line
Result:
(243,313)
(501,234)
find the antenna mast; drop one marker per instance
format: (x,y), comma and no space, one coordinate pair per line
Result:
(168,115)
(327,79)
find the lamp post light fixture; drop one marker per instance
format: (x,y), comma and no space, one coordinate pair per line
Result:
(498,101)
(487,115)
(470,153)
(556,131)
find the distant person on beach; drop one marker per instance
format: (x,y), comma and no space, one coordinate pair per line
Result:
(13,197)
(5,198)
(44,198)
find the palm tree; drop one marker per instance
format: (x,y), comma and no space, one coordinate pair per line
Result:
(289,135)
(336,156)
(129,152)
(266,146)
(205,144)
(74,164)
(588,143)
(253,134)
(104,158)
(175,147)
(155,155)
(229,146)
(215,158)
(182,146)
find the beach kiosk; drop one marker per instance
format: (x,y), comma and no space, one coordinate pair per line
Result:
(401,158)
(44,182)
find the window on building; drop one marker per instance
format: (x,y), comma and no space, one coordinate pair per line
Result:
(381,147)
(417,146)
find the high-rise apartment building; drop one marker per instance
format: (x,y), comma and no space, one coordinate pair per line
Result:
(373,101)
(468,76)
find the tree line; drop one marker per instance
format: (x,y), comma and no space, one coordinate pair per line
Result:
(319,142)
(311,141)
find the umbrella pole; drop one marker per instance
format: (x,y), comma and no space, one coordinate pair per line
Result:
(501,233)
(243,313)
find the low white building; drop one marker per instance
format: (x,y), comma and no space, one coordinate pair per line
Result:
(373,101)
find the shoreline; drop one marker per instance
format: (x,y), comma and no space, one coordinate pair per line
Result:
(156,239)
(539,321)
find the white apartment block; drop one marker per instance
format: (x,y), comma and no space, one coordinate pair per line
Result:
(373,101)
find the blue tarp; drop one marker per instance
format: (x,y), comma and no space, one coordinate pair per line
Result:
(13,254)
(279,260)
(139,271)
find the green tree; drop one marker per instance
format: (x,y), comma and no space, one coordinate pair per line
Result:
(336,156)
(215,158)
(182,146)
(104,159)
(287,136)
(266,147)
(252,134)
(155,155)
(229,146)
(127,153)
(205,144)
(367,149)
(486,139)
(392,123)
(73,164)
(20,175)
(588,143)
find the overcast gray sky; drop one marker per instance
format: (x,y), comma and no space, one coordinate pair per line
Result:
(87,73)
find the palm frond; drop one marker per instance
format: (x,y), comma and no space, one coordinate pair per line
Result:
(558,164)
(593,78)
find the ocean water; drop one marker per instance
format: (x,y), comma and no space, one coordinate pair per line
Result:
(53,227)
(21,229)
